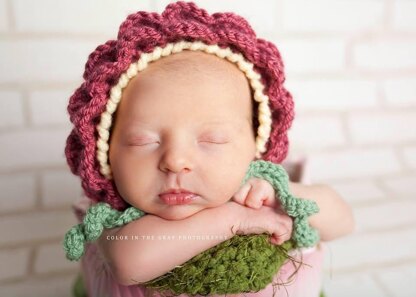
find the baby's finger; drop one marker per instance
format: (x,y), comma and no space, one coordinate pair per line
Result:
(281,236)
(240,196)
(268,197)
(286,221)
(256,196)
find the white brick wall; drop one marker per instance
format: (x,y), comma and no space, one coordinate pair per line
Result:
(312,56)
(49,107)
(74,16)
(350,66)
(327,15)
(13,263)
(399,281)
(33,148)
(18,190)
(386,127)
(400,92)
(379,217)
(334,94)
(43,60)
(402,186)
(359,191)
(3,16)
(53,285)
(51,258)
(370,250)
(59,188)
(404,15)
(11,109)
(303,132)
(410,156)
(34,226)
(353,163)
(386,54)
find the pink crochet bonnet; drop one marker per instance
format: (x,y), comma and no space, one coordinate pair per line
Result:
(145,37)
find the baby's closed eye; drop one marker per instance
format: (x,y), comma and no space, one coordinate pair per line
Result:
(142,141)
(214,137)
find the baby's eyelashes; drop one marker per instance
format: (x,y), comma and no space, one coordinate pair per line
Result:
(141,140)
(144,140)
(214,142)
(215,139)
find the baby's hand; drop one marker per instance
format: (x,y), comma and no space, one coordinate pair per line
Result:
(255,193)
(263,220)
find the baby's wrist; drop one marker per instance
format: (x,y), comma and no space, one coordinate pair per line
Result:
(233,214)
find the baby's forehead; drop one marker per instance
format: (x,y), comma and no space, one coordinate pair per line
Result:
(187,63)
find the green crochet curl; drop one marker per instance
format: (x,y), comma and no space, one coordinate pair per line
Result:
(245,263)
(97,218)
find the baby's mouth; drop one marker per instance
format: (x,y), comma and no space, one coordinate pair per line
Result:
(178,198)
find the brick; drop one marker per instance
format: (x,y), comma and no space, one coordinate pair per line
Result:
(319,94)
(18,192)
(404,15)
(33,148)
(385,215)
(262,19)
(3,16)
(312,56)
(51,258)
(369,250)
(352,163)
(49,107)
(385,55)
(14,263)
(11,109)
(400,92)
(303,132)
(403,186)
(358,191)
(385,127)
(357,284)
(60,188)
(332,16)
(74,16)
(400,280)
(44,60)
(409,155)
(51,287)
(35,226)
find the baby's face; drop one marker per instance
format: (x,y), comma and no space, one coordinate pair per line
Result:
(184,122)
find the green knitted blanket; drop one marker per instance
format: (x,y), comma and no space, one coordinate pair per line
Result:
(245,263)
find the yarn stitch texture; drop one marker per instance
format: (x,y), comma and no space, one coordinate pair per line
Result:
(102,216)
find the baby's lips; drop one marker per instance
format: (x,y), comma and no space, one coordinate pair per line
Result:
(178,198)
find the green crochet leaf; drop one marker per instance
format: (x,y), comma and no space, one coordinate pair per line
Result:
(244,263)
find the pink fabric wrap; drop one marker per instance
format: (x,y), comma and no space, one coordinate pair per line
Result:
(306,283)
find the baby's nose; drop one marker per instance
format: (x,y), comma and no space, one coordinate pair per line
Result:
(176,160)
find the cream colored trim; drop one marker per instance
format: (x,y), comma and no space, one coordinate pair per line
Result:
(264,113)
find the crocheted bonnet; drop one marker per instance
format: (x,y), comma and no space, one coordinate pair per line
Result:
(145,37)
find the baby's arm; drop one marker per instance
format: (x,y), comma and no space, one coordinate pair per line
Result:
(335,218)
(137,261)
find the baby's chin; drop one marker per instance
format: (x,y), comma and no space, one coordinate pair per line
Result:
(178,212)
